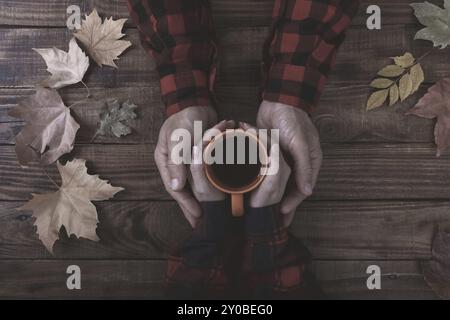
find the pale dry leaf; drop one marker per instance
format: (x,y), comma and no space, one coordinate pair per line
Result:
(405,86)
(417,77)
(391,71)
(436,104)
(66,67)
(49,130)
(113,120)
(377,99)
(436,21)
(71,205)
(394,95)
(404,61)
(102,40)
(381,83)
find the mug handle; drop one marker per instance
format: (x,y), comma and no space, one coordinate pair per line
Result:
(237,204)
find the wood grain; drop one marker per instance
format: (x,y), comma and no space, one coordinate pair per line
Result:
(338,120)
(361,56)
(347,280)
(380,196)
(150,230)
(353,171)
(227,13)
(37,279)
(143,279)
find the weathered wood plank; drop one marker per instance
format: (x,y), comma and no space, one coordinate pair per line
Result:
(100,279)
(361,56)
(227,13)
(347,280)
(353,171)
(150,230)
(144,279)
(151,113)
(338,120)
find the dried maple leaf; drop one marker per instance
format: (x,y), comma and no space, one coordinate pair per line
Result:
(437,270)
(436,104)
(49,131)
(114,118)
(102,40)
(66,67)
(436,21)
(71,205)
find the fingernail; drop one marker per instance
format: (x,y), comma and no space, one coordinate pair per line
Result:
(308,189)
(174,184)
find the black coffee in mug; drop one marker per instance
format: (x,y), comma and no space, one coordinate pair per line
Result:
(231,173)
(236,167)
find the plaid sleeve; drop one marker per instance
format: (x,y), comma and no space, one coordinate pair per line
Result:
(274,261)
(301,50)
(203,267)
(179,34)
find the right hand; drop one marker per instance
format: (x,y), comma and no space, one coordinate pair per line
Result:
(175,176)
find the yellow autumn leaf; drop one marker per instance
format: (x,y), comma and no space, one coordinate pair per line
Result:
(405,86)
(381,83)
(404,61)
(377,99)
(393,94)
(391,71)
(417,77)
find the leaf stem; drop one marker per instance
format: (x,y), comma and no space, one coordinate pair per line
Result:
(87,88)
(36,154)
(78,102)
(50,178)
(95,137)
(426,54)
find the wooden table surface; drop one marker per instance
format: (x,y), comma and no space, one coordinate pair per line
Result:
(380,195)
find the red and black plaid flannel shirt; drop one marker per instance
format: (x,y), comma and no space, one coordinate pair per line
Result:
(298,54)
(253,257)
(297,60)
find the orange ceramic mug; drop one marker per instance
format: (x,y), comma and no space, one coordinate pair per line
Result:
(237,172)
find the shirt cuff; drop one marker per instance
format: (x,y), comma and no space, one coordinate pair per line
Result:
(186,88)
(297,86)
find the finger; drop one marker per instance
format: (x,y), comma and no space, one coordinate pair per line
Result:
(299,150)
(292,197)
(197,170)
(214,131)
(184,198)
(288,218)
(316,161)
(246,126)
(193,221)
(177,171)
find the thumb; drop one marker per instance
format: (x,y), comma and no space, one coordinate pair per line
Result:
(178,176)
(302,166)
(177,169)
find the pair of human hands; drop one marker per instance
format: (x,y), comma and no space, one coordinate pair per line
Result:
(298,138)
